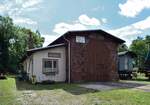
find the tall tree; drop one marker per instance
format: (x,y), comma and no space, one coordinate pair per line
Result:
(140,47)
(6,33)
(14,41)
(25,39)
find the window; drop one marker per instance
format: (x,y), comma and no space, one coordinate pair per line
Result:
(80,39)
(50,66)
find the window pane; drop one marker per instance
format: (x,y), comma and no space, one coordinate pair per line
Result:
(55,64)
(48,64)
(80,39)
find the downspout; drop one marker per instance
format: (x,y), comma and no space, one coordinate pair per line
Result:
(69,64)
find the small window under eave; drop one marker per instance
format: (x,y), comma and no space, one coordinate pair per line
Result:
(80,39)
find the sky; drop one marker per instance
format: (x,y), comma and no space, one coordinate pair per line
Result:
(126,19)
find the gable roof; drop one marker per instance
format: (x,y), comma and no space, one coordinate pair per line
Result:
(116,39)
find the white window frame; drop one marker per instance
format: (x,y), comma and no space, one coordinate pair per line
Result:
(80,39)
(50,70)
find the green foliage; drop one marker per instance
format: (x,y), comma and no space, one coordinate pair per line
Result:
(140,47)
(14,41)
(6,33)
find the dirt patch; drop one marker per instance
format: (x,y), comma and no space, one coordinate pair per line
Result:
(144,88)
(51,97)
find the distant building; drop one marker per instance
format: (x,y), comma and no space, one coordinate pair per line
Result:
(0,50)
(89,55)
(125,63)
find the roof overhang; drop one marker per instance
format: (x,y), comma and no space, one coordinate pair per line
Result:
(31,51)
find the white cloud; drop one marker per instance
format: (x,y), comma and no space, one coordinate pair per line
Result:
(142,25)
(135,28)
(133,7)
(4,7)
(84,19)
(49,38)
(132,30)
(22,20)
(61,28)
(16,9)
(83,23)
(125,31)
(104,20)
(30,3)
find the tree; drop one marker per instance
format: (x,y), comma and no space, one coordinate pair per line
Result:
(6,33)
(140,47)
(24,39)
(14,41)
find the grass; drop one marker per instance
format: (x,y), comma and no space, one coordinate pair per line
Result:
(122,97)
(8,93)
(17,93)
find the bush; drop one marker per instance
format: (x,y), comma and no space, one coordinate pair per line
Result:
(23,76)
(48,82)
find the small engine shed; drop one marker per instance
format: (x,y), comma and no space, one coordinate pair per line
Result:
(125,64)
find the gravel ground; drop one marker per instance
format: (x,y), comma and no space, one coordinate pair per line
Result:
(114,85)
(144,88)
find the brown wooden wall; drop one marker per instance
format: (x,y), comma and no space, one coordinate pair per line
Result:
(96,60)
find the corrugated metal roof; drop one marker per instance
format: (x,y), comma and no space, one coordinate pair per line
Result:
(44,48)
(123,53)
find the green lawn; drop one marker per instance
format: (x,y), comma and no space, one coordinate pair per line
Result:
(16,93)
(8,92)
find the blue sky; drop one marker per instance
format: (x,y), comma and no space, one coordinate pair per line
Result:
(125,19)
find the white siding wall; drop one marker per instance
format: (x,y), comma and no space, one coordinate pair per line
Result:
(37,63)
(27,64)
(121,63)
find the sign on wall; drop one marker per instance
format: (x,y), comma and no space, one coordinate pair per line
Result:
(80,39)
(54,55)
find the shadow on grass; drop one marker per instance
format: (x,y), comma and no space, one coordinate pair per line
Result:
(71,88)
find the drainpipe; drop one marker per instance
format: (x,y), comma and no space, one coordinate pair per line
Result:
(69,64)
